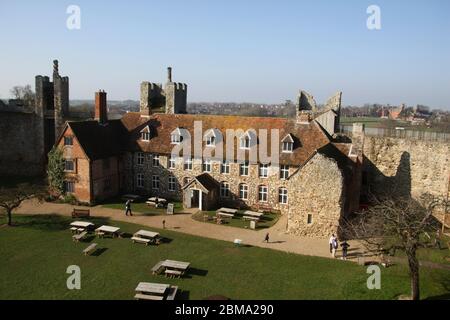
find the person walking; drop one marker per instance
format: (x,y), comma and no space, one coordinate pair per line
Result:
(266,238)
(164,224)
(128,207)
(344,246)
(330,242)
(333,245)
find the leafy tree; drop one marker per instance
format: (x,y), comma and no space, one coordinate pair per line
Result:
(11,198)
(55,171)
(398,223)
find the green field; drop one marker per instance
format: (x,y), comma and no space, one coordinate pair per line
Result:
(37,251)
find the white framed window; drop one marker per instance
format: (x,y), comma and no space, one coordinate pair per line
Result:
(155,160)
(140,158)
(225,167)
(263,193)
(172,183)
(68,141)
(69,165)
(263,170)
(140,180)
(155,182)
(283,196)
(284,172)
(172,162)
(243,168)
(69,186)
(245,142)
(210,141)
(188,163)
(224,189)
(145,136)
(176,138)
(288,146)
(243,191)
(206,165)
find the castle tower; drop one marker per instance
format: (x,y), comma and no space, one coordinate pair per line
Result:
(176,95)
(152,98)
(60,98)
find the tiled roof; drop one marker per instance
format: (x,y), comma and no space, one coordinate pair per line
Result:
(307,137)
(100,141)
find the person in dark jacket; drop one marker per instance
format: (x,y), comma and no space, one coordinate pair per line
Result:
(344,246)
(266,239)
(128,207)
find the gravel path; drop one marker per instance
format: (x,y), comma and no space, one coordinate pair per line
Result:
(279,240)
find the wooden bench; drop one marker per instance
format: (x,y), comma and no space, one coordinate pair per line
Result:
(100,234)
(78,237)
(141,240)
(74,229)
(172,293)
(250,218)
(141,296)
(158,268)
(173,273)
(81,213)
(90,249)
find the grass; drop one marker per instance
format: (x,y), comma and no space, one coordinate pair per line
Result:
(37,251)
(267,220)
(141,207)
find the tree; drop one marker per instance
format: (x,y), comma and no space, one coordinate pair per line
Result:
(11,198)
(399,223)
(55,171)
(25,94)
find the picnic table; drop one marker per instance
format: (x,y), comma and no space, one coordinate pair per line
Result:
(107,230)
(151,291)
(82,224)
(156,201)
(227,210)
(176,265)
(225,215)
(146,237)
(253,213)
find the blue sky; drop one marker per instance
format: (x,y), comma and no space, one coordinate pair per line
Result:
(256,51)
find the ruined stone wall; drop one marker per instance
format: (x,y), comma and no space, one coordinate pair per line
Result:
(407,166)
(21,144)
(316,189)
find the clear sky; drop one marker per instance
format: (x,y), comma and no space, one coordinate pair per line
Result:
(243,50)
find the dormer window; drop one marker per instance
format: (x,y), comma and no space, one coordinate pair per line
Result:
(176,137)
(245,141)
(287,144)
(212,137)
(145,134)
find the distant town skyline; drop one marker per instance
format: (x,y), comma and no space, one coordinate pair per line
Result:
(235,51)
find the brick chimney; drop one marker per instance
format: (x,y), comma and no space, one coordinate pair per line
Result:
(101,110)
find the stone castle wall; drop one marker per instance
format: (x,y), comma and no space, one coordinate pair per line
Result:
(407,166)
(316,190)
(21,144)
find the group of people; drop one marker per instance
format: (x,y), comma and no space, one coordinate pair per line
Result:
(334,245)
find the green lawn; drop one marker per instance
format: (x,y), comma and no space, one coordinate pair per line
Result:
(141,207)
(37,251)
(267,220)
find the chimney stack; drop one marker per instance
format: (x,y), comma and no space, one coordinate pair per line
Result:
(101,111)
(169,74)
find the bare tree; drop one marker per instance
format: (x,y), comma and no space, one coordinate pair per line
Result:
(25,94)
(12,198)
(398,223)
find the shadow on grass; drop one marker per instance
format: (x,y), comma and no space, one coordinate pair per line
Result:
(197,272)
(98,252)
(51,222)
(182,295)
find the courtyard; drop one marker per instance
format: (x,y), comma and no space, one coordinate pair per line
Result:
(38,250)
